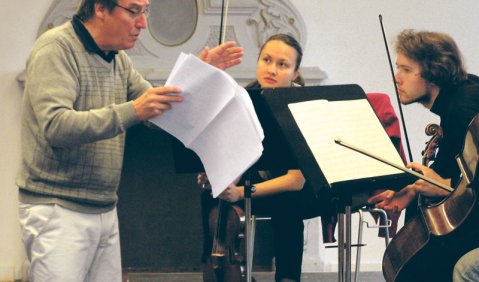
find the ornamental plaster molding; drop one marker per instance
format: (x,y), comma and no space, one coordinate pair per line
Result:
(249,23)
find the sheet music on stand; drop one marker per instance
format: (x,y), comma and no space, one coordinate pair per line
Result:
(323,121)
(311,118)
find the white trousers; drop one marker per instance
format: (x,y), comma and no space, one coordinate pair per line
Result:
(467,268)
(64,245)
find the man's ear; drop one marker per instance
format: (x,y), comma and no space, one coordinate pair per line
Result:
(100,10)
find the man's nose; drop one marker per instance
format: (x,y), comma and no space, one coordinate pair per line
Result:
(141,22)
(397,78)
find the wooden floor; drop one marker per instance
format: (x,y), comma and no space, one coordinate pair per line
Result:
(259,277)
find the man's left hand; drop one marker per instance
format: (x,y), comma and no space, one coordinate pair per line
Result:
(425,188)
(222,56)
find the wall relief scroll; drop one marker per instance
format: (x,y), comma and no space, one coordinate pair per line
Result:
(189,25)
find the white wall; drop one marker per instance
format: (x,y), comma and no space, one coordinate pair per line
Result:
(344,39)
(20,21)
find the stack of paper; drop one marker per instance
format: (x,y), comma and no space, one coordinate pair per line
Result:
(216,120)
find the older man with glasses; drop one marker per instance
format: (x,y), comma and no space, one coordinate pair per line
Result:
(81,94)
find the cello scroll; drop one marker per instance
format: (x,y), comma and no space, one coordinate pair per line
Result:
(429,152)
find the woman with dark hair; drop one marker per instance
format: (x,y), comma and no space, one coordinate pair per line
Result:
(279,194)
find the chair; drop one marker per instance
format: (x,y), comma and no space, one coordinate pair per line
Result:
(250,250)
(360,244)
(344,237)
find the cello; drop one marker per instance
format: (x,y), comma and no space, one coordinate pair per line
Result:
(429,245)
(227,260)
(226,224)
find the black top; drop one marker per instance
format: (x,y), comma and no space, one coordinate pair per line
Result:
(456,106)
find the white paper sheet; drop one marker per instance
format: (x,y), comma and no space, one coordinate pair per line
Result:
(216,120)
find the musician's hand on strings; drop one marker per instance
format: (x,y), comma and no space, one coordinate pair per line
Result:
(425,188)
(203,181)
(222,56)
(393,201)
(232,194)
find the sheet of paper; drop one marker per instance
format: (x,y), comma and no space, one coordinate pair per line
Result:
(221,142)
(353,121)
(216,120)
(206,91)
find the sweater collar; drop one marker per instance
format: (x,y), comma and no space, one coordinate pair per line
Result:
(88,41)
(440,104)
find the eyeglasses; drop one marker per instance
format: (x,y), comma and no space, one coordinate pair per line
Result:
(135,13)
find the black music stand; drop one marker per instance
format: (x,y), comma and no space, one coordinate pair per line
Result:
(342,192)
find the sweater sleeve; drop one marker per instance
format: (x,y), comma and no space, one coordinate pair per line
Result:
(68,100)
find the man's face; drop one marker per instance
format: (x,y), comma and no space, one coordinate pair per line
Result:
(123,25)
(411,86)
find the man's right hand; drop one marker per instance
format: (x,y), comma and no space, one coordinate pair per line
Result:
(155,101)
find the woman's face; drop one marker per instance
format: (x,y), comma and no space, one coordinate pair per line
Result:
(276,65)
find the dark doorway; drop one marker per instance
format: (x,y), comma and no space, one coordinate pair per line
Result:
(159,210)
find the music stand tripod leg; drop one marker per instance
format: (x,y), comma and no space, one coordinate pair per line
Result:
(344,245)
(348,243)
(341,247)
(249,229)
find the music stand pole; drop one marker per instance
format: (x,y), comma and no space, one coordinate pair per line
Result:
(341,247)
(248,189)
(344,244)
(347,274)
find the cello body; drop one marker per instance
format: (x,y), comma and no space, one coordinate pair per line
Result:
(227,261)
(430,244)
